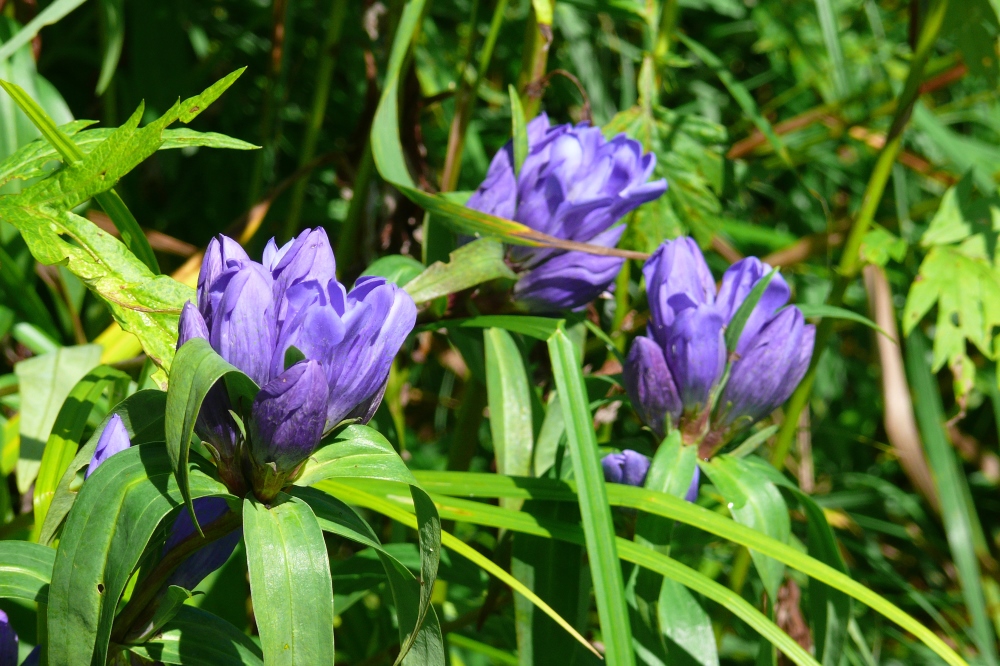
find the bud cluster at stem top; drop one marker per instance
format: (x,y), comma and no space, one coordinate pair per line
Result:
(320,354)
(673,374)
(574,185)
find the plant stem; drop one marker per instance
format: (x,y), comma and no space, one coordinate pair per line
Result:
(350,231)
(850,260)
(324,78)
(538,39)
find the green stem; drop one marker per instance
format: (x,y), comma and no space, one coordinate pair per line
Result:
(466,433)
(324,77)
(538,39)
(850,260)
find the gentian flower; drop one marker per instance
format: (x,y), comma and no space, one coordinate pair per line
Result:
(631,468)
(8,642)
(672,374)
(320,355)
(203,561)
(575,185)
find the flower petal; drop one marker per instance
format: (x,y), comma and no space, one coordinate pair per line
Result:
(737,282)
(114,438)
(209,557)
(676,268)
(289,414)
(627,467)
(650,386)
(696,354)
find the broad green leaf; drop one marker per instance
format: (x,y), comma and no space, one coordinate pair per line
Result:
(113,519)
(509,400)
(142,416)
(45,381)
(961,523)
(124,221)
(173,600)
(198,638)
(197,369)
(755,502)
(397,268)
(479,261)
(143,303)
(40,157)
(672,466)
(495,485)
(686,624)
(64,440)
(594,509)
(355,451)
(26,570)
(880,246)
(289,582)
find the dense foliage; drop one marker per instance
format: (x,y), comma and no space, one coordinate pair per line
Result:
(651,331)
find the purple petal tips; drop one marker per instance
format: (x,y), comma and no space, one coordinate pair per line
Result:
(114,438)
(8,642)
(627,467)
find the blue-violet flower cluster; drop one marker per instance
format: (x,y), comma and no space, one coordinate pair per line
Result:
(320,354)
(674,371)
(574,185)
(631,468)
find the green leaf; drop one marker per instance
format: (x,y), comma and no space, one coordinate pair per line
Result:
(519,129)
(479,261)
(519,521)
(755,502)
(672,466)
(197,368)
(25,301)
(961,523)
(355,451)
(509,399)
(824,311)
(26,571)
(62,443)
(735,327)
(198,638)
(686,624)
(143,303)
(112,18)
(51,14)
(45,381)
(539,328)
(173,601)
(406,516)
(879,247)
(594,509)
(114,517)
(132,235)
(397,268)
(289,582)
(142,416)
(496,485)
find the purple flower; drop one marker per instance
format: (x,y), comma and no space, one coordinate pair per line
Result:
(575,185)
(114,438)
(674,372)
(320,354)
(627,467)
(8,642)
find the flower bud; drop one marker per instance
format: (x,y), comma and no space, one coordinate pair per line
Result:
(650,386)
(289,415)
(209,557)
(114,438)
(627,467)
